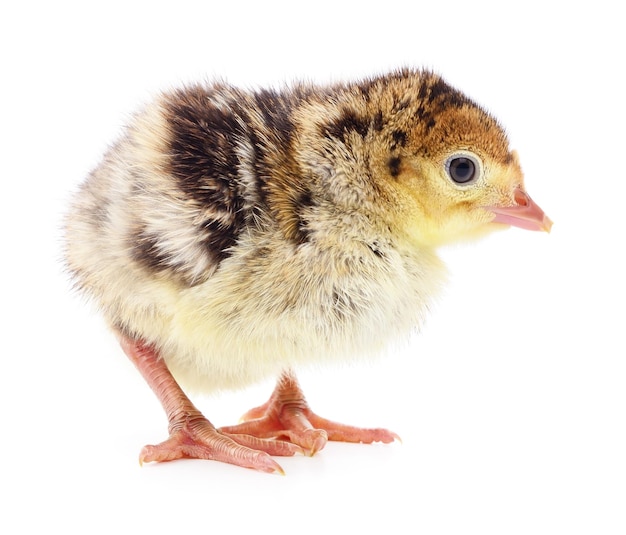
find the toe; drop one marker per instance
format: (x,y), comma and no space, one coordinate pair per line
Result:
(310,440)
(279,448)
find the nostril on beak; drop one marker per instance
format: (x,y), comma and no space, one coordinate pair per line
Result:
(521,197)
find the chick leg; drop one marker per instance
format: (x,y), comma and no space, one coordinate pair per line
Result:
(288,415)
(191,434)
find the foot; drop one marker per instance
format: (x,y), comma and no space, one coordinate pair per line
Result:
(195,437)
(288,415)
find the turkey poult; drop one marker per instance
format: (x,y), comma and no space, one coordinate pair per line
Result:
(230,235)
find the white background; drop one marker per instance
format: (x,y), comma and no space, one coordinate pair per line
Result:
(511,403)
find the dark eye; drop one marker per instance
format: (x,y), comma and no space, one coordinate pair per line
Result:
(462,168)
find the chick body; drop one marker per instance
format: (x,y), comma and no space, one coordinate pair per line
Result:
(238,233)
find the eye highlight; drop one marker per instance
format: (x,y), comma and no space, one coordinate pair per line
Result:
(463,168)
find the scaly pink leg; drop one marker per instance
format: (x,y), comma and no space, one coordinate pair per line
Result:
(288,415)
(191,434)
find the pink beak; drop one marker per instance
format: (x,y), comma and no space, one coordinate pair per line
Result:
(524,214)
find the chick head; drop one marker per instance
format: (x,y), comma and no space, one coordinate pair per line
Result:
(448,164)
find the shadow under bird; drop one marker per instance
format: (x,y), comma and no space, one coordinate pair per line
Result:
(230,235)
